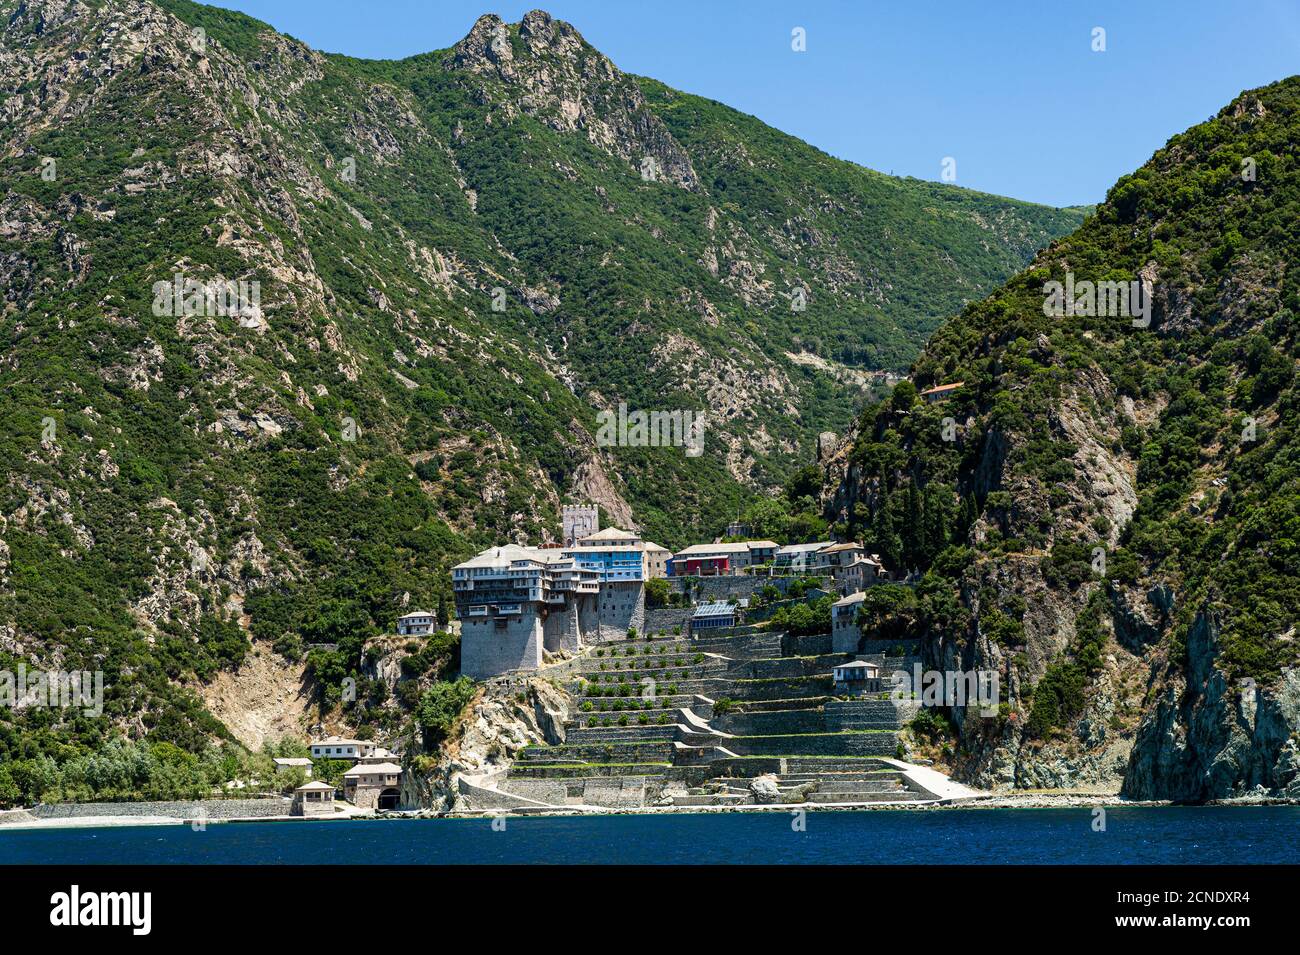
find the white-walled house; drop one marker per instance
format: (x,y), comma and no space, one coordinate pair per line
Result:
(336,747)
(416,623)
(286,764)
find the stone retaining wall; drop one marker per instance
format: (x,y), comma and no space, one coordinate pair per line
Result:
(604,734)
(805,645)
(765,724)
(780,689)
(603,751)
(523,770)
(784,667)
(717,588)
(612,792)
(844,715)
(827,744)
(666,618)
(211,808)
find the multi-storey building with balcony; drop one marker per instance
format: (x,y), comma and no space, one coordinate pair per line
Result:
(622,561)
(720,560)
(516,602)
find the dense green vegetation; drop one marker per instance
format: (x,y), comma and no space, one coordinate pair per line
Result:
(1201,405)
(804,618)
(173,487)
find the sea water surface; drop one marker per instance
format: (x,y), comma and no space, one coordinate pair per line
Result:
(1150,835)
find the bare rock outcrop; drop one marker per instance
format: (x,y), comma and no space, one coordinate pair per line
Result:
(506,716)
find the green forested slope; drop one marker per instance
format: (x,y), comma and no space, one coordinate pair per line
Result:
(179,490)
(1113,525)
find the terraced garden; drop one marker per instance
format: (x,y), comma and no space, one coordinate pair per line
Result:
(742,717)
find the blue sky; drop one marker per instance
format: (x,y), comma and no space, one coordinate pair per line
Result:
(1012,91)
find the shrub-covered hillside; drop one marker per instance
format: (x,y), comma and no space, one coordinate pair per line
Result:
(451,265)
(1108,508)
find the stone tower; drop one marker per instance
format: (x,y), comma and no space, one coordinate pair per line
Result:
(578,521)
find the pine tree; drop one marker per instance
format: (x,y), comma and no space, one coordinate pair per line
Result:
(912,528)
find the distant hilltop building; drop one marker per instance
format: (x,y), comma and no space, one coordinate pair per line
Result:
(940,392)
(516,602)
(578,521)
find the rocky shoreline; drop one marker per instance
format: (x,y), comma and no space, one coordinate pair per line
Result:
(17,819)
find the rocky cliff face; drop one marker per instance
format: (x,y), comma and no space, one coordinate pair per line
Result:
(1206,739)
(501,720)
(1106,508)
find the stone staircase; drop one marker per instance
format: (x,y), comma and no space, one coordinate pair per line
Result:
(683,722)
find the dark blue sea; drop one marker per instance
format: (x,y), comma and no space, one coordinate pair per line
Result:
(1174,835)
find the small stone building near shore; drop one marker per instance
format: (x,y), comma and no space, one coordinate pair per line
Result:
(313,799)
(372,786)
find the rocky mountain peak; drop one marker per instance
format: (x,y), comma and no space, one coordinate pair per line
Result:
(544,34)
(488,47)
(541,67)
(485,48)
